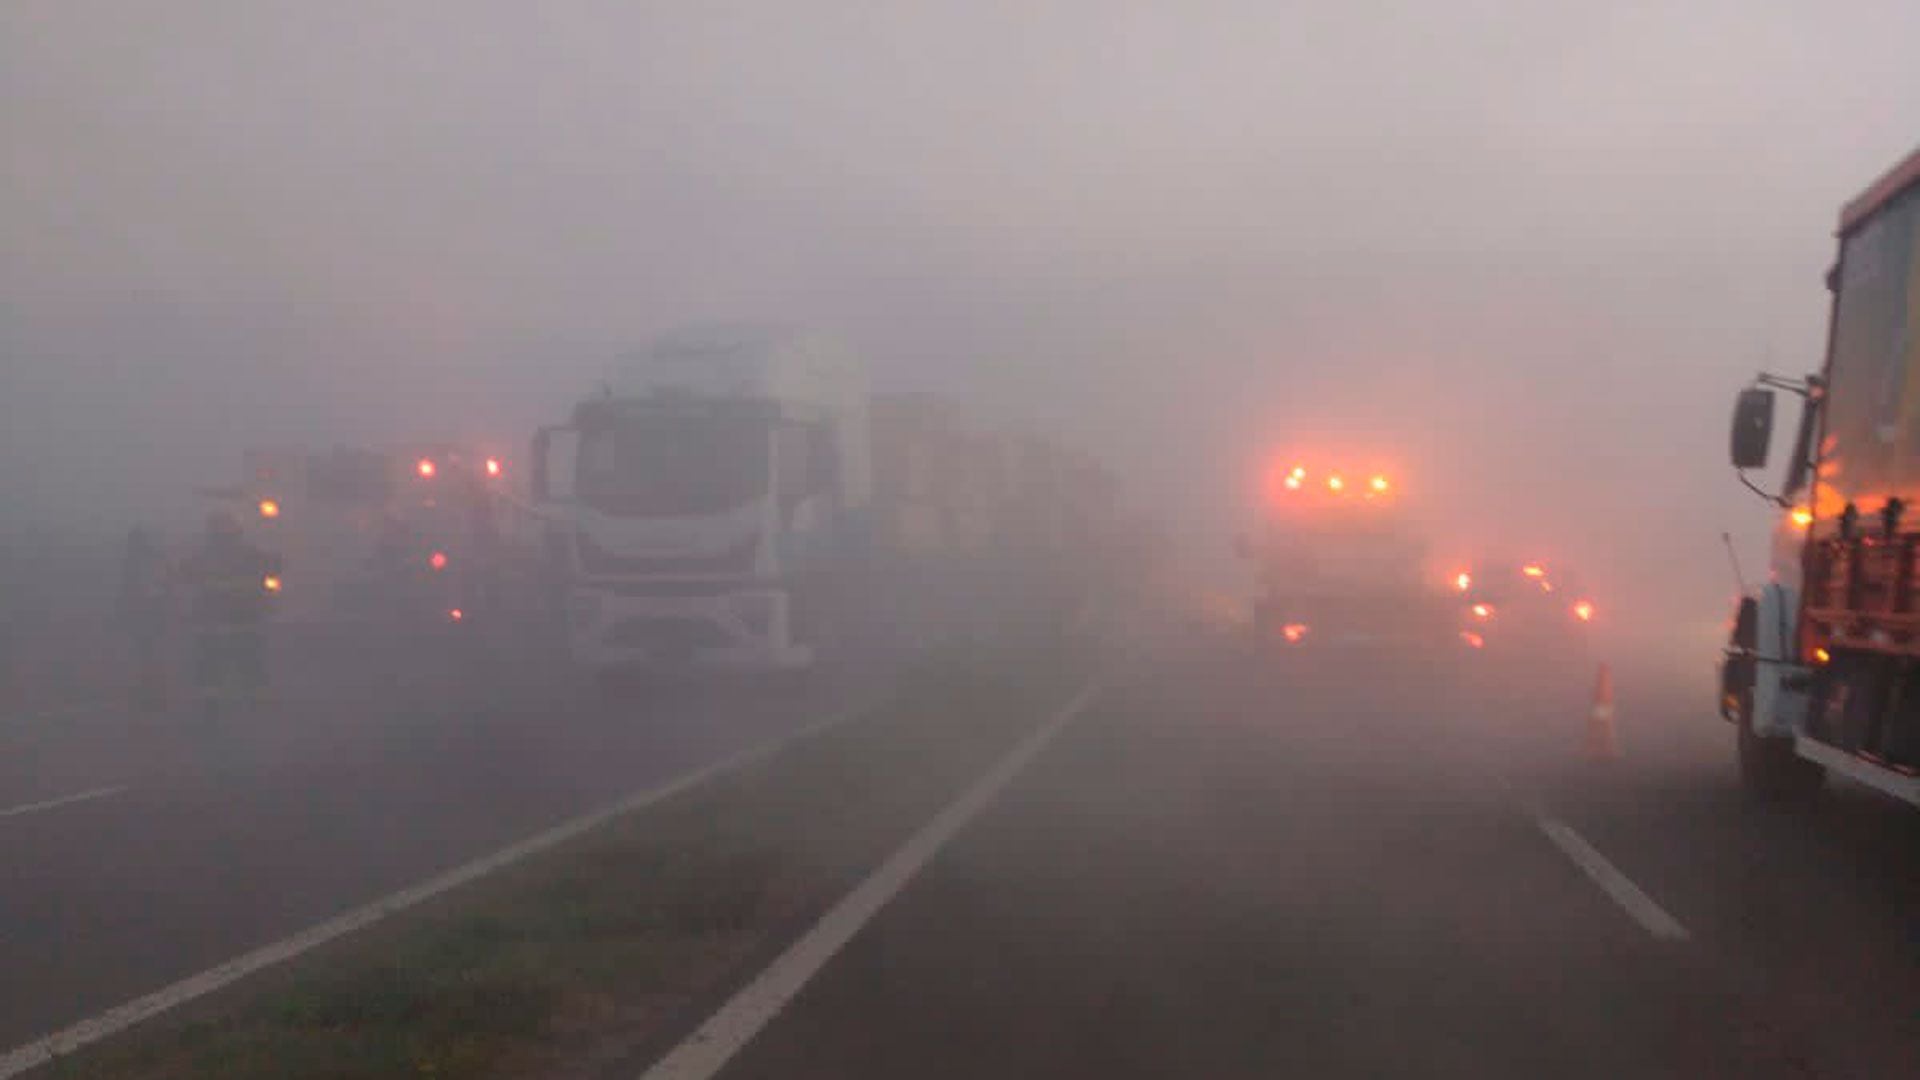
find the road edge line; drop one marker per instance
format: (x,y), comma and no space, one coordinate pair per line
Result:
(1619,887)
(730,1028)
(49,1048)
(65,800)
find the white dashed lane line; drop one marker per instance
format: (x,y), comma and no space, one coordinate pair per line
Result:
(65,800)
(1618,887)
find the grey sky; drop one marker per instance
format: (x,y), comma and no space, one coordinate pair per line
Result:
(1530,248)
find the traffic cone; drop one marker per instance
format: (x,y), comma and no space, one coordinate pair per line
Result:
(1602,743)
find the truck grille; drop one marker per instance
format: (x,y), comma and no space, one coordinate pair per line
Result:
(735,560)
(667,636)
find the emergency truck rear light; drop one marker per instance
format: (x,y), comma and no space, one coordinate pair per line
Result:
(1483,611)
(455,615)
(426,468)
(1294,632)
(438,560)
(494,468)
(1583,610)
(269,509)
(1462,581)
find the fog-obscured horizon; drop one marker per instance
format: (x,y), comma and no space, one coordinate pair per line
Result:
(1522,252)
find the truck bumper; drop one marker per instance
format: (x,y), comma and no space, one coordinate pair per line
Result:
(739,628)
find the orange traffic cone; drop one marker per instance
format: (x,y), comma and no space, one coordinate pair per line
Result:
(1602,743)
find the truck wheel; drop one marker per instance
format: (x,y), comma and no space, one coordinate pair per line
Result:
(1769,769)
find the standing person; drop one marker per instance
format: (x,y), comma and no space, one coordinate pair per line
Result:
(144,605)
(233,583)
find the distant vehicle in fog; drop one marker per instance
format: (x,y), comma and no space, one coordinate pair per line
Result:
(428,534)
(1531,608)
(705,497)
(734,497)
(1340,562)
(1823,665)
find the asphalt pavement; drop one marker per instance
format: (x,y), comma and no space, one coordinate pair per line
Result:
(1243,864)
(137,849)
(1233,863)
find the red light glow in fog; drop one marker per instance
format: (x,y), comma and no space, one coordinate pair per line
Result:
(1294,632)
(1583,610)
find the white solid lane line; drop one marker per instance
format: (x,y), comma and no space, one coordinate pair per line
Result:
(64,800)
(706,1051)
(47,1048)
(1651,916)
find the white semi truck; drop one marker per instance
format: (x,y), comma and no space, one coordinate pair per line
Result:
(707,500)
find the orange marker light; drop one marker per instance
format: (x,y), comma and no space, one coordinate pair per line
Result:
(1334,483)
(1534,570)
(1821,655)
(1378,483)
(271,583)
(1583,610)
(1463,581)
(1802,517)
(438,560)
(494,468)
(426,468)
(269,509)
(1293,632)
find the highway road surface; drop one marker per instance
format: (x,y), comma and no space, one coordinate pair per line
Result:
(1227,864)
(136,850)
(1233,865)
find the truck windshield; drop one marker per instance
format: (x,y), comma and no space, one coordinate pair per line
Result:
(661,466)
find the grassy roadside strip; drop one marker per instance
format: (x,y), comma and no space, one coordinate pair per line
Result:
(564,964)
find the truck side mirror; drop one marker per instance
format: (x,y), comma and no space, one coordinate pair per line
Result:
(1752,428)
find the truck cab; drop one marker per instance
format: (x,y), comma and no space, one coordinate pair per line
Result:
(704,501)
(1823,663)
